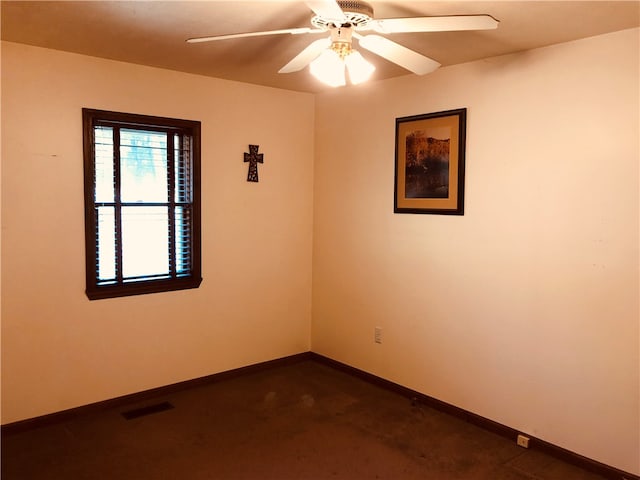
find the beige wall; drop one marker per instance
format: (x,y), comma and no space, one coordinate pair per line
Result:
(59,350)
(525,309)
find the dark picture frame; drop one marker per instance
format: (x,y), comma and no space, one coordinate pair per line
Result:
(430,163)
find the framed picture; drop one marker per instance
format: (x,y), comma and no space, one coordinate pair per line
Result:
(429,176)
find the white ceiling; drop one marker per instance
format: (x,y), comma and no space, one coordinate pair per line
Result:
(154,32)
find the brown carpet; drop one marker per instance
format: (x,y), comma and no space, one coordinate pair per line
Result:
(300,421)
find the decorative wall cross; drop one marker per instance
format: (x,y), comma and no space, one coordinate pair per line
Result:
(253,157)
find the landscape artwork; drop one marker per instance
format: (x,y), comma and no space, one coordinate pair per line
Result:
(427,163)
(430,154)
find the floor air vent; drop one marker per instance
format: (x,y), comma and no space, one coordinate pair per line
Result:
(141,412)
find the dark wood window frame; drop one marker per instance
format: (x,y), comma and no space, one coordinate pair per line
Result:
(188,277)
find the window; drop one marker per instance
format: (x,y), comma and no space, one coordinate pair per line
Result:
(142,204)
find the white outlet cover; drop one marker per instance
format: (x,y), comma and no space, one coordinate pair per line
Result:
(523,441)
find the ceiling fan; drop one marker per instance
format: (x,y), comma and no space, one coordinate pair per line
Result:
(329,57)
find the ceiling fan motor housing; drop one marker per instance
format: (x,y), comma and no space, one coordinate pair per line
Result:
(357,13)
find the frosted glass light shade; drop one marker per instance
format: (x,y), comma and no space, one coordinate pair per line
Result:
(359,69)
(329,68)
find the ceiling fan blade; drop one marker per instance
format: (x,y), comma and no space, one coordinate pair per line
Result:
(293,31)
(435,24)
(396,53)
(306,56)
(328,9)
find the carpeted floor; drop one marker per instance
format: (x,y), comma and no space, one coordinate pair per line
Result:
(300,421)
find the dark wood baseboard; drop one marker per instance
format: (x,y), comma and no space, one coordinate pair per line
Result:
(126,400)
(485,423)
(503,430)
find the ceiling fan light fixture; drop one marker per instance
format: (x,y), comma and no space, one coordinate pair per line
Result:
(359,69)
(329,67)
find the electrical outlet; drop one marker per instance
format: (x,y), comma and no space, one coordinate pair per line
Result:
(377,335)
(523,441)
